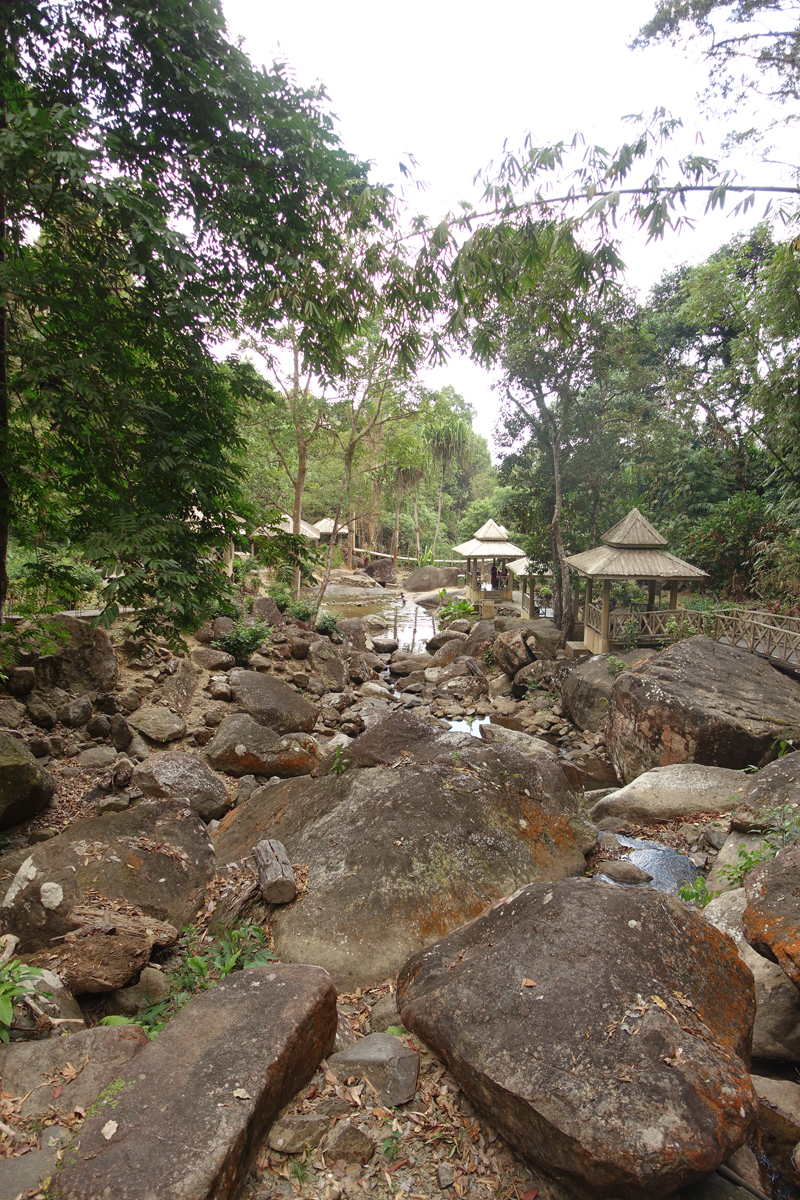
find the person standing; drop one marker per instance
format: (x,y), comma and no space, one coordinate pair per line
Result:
(494,577)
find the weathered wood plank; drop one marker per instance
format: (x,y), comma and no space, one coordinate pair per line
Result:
(275,874)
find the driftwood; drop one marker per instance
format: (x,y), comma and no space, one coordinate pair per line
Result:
(275,874)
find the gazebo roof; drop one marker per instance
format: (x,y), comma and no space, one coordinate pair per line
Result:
(633,549)
(326,526)
(524,566)
(286,523)
(490,541)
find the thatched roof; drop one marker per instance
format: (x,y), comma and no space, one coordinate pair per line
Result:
(287,525)
(490,541)
(326,526)
(524,566)
(633,550)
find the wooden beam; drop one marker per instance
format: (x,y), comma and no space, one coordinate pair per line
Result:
(605,644)
(275,874)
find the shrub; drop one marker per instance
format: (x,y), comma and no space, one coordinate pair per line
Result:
(615,666)
(630,633)
(280,594)
(16,981)
(302,609)
(327,622)
(243,640)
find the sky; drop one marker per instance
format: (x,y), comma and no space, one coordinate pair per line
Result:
(450,83)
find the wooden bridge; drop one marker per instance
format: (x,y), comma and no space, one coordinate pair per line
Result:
(774,637)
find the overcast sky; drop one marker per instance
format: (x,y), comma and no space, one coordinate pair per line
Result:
(449,83)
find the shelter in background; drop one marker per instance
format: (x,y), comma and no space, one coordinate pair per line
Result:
(325,529)
(489,543)
(632,549)
(528,572)
(310,532)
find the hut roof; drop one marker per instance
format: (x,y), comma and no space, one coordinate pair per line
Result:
(286,523)
(634,530)
(524,566)
(490,541)
(326,526)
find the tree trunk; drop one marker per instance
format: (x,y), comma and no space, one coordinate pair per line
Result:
(596,498)
(299,488)
(439,510)
(329,559)
(416,520)
(558,542)
(5,485)
(396,534)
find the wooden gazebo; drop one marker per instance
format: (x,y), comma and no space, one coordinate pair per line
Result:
(490,542)
(325,529)
(632,549)
(528,572)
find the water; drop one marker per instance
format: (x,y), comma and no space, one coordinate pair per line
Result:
(670,869)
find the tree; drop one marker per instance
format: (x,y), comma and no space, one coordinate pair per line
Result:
(448,434)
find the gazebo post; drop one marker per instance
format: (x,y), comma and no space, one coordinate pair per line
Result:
(532,599)
(605,643)
(587,600)
(651,595)
(673,594)
(576,600)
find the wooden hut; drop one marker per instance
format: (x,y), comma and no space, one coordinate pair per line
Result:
(286,523)
(488,544)
(527,573)
(632,549)
(325,529)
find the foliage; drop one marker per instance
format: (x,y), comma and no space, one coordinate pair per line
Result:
(677,629)
(328,623)
(340,762)
(630,633)
(303,609)
(696,892)
(486,651)
(779,827)
(452,610)
(390,1147)
(615,666)
(244,639)
(16,981)
(280,594)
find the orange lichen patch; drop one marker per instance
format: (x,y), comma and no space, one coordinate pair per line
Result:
(445,914)
(781,935)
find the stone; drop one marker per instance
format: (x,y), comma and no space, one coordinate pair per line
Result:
(621,871)
(155,856)
(403,663)
(192,1109)
(75,713)
(500,687)
(179,688)
(511,652)
(21,680)
(428,579)
(298,1131)
(329,665)
(153,987)
(171,774)
(222,625)
(356,632)
(348,1143)
(385,645)
(391,1067)
(442,637)
(381,570)
(384,1013)
(399,857)
(96,757)
(99,726)
(632,1095)
(778,1132)
(139,748)
(664,793)
(775,785)
(699,701)
(211,659)
(444,1176)
(776,1033)
(84,660)
(585,690)
(272,702)
(243,747)
(25,786)
(40,712)
(265,609)
(129,700)
(526,743)
(771,921)
(158,723)
(121,732)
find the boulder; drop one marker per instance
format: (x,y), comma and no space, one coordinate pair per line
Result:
(586,689)
(25,786)
(356,632)
(399,857)
(155,856)
(172,775)
(190,1113)
(776,1033)
(511,652)
(524,682)
(381,570)
(775,785)
(428,579)
(667,792)
(97,757)
(158,723)
(403,663)
(699,701)
(211,659)
(481,633)
(20,681)
(75,713)
(384,645)
(102,956)
(40,712)
(444,635)
(771,920)
(526,743)
(265,609)
(777,1136)
(542,636)
(272,702)
(11,713)
(448,652)
(639,1092)
(179,688)
(83,661)
(153,987)
(243,747)
(328,664)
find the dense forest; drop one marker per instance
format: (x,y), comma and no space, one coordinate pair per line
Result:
(212,316)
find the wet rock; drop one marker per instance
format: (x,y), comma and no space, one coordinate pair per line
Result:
(179,688)
(391,1067)
(776,1033)
(158,723)
(664,793)
(211,659)
(84,660)
(171,774)
(348,1143)
(771,920)
(632,1095)
(621,871)
(193,1106)
(243,747)
(25,786)
(775,785)
(155,856)
(699,701)
(465,822)
(272,702)
(586,688)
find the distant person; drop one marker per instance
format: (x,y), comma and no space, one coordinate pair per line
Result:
(504,578)
(494,577)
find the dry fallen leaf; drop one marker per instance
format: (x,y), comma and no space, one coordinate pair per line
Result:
(109,1129)
(527,983)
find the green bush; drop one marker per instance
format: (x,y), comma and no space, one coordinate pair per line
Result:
(615,666)
(302,609)
(630,633)
(16,981)
(328,622)
(280,594)
(243,640)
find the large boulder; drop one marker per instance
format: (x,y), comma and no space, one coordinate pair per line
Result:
(396,857)
(25,787)
(668,792)
(444,635)
(402,663)
(173,775)
(481,633)
(448,652)
(180,687)
(586,689)
(381,570)
(272,702)
(83,658)
(776,785)
(187,1117)
(511,652)
(699,701)
(155,856)
(329,665)
(772,916)
(526,743)
(776,1032)
(265,609)
(158,723)
(356,632)
(243,747)
(630,1090)
(428,579)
